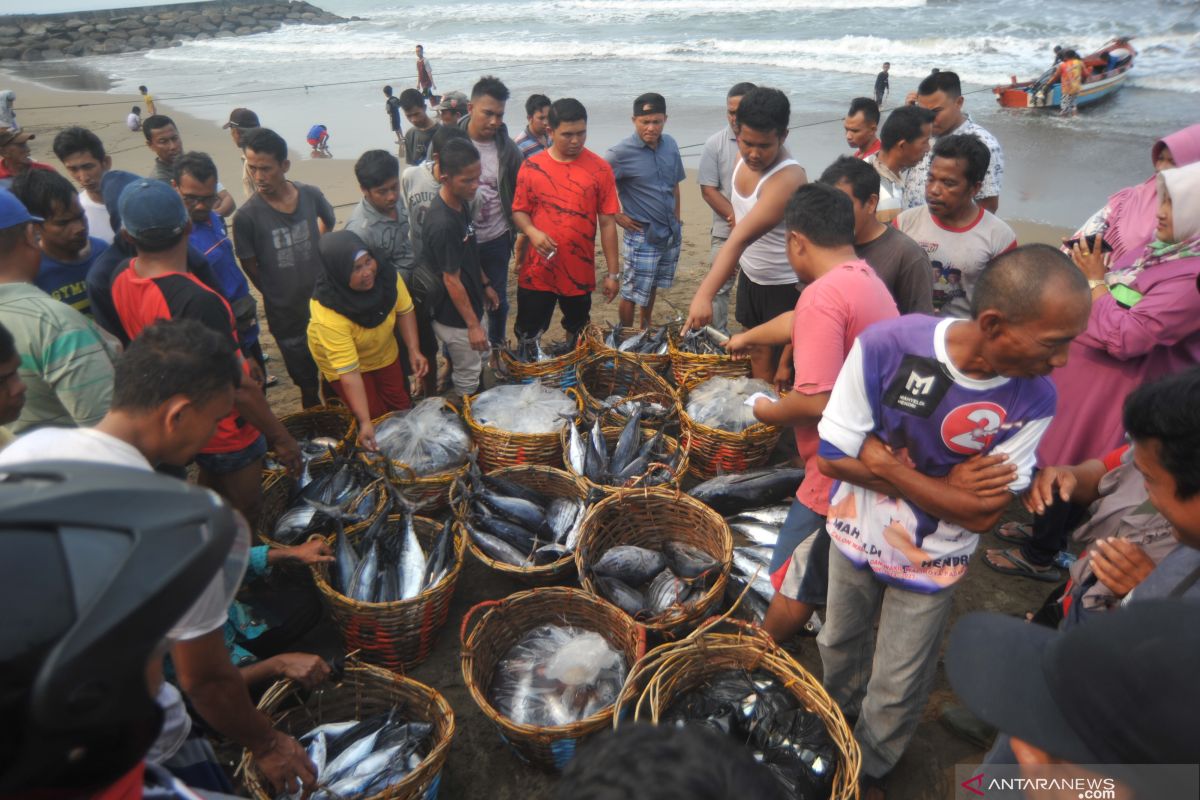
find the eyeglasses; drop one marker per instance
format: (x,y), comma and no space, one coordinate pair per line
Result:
(191,200)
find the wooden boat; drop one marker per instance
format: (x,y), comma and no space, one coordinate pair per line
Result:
(1107,70)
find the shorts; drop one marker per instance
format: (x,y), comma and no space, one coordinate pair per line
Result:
(757,303)
(800,564)
(225,463)
(646,267)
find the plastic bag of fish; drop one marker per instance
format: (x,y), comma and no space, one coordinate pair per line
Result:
(650,411)
(757,711)
(388,564)
(530,350)
(720,402)
(706,341)
(350,489)
(556,675)
(363,758)
(519,526)
(632,459)
(644,342)
(647,583)
(429,438)
(523,408)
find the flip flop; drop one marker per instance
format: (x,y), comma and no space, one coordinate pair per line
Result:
(1015,532)
(1020,567)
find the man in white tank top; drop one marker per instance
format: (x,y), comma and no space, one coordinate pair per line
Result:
(763,181)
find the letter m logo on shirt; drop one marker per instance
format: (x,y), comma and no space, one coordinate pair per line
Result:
(918,384)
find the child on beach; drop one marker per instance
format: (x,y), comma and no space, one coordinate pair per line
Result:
(318,140)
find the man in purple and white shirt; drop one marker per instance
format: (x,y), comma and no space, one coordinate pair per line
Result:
(931,427)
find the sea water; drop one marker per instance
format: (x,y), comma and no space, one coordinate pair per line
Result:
(606,52)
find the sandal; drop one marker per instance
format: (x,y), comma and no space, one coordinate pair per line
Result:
(1019,566)
(1015,532)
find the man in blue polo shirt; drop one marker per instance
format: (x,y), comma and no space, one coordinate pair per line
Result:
(648,170)
(196,182)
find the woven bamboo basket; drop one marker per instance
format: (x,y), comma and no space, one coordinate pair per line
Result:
(278,490)
(334,421)
(396,636)
(611,435)
(713,451)
(548,481)
(707,366)
(505,622)
(431,493)
(650,518)
(363,691)
(499,449)
(605,374)
(672,669)
(558,372)
(596,336)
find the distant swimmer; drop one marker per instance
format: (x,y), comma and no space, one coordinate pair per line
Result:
(318,140)
(882,86)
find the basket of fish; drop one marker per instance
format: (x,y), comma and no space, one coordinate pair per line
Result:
(372,735)
(744,686)
(719,427)
(391,583)
(660,556)
(427,448)
(551,364)
(546,665)
(702,352)
(624,457)
(649,346)
(296,507)
(517,424)
(523,522)
(613,386)
(323,427)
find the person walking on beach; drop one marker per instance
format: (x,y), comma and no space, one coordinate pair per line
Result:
(500,160)
(904,141)
(763,181)
(275,238)
(164,140)
(82,155)
(941,93)
(14,155)
(421,127)
(862,120)
(717,160)
(148,101)
(882,85)
(959,235)
(563,194)
(391,107)
(648,169)
(424,75)
(536,136)
(240,121)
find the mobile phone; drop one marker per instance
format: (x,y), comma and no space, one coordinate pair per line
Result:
(1105,247)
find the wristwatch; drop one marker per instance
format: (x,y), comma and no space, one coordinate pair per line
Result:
(613,277)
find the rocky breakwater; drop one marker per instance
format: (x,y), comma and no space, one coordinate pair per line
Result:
(39,37)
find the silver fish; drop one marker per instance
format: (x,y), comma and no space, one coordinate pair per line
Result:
(362,583)
(627,444)
(351,756)
(757,532)
(665,590)
(633,342)
(768,515)
(599,448)
(412,558)
(622,595)
(497,548)
(575,450)
(294,521)
(630,563)
(688,561)
(561,516)
(754,571)
(550,553)
(329,729)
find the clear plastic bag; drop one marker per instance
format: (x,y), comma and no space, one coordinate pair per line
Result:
(429,438)
(721,402)
(523,408)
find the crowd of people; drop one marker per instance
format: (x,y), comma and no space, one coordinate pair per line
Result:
(935,369)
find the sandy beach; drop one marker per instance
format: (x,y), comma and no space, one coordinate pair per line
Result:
(480,765)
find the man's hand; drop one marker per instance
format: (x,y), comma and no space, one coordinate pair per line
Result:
(306,669)
(366,437)
(875,455)
(611,288)
(628,223)
(910,99)
(491,300)
(477,336)
(983,475)
(1120,565)
(256,373)
(314,551)
(542,242)
(285,764)
(418,364)
(1048,485)
(785,375)
(737,345)
(287,451)
(700,313)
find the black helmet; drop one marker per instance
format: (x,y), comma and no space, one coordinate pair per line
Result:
(99,562)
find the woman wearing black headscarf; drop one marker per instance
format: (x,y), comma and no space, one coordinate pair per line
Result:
(358,306)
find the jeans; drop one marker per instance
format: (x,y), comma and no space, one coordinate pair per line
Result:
(720,304)
(493,260)
(888,676)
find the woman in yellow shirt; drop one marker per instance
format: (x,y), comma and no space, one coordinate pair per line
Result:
(358,307)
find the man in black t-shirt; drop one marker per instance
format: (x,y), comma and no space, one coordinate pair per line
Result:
(392,107)
(450,250)
(882,85)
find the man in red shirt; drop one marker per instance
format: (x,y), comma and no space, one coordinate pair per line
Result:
(155,285)
(861,123)
(562,193)
(14,155)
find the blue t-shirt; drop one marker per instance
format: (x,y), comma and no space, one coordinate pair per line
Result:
(646,180)
(66,281)
(212,240)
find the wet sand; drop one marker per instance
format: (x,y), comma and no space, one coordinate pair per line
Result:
(480,764)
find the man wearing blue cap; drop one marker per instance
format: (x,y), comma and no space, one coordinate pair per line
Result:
(156,285)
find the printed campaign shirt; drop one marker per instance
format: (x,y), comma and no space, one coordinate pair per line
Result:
(899,384)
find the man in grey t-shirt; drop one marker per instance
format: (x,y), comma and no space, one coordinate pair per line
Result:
(719,157)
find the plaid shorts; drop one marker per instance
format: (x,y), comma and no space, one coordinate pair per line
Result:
(647,267)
